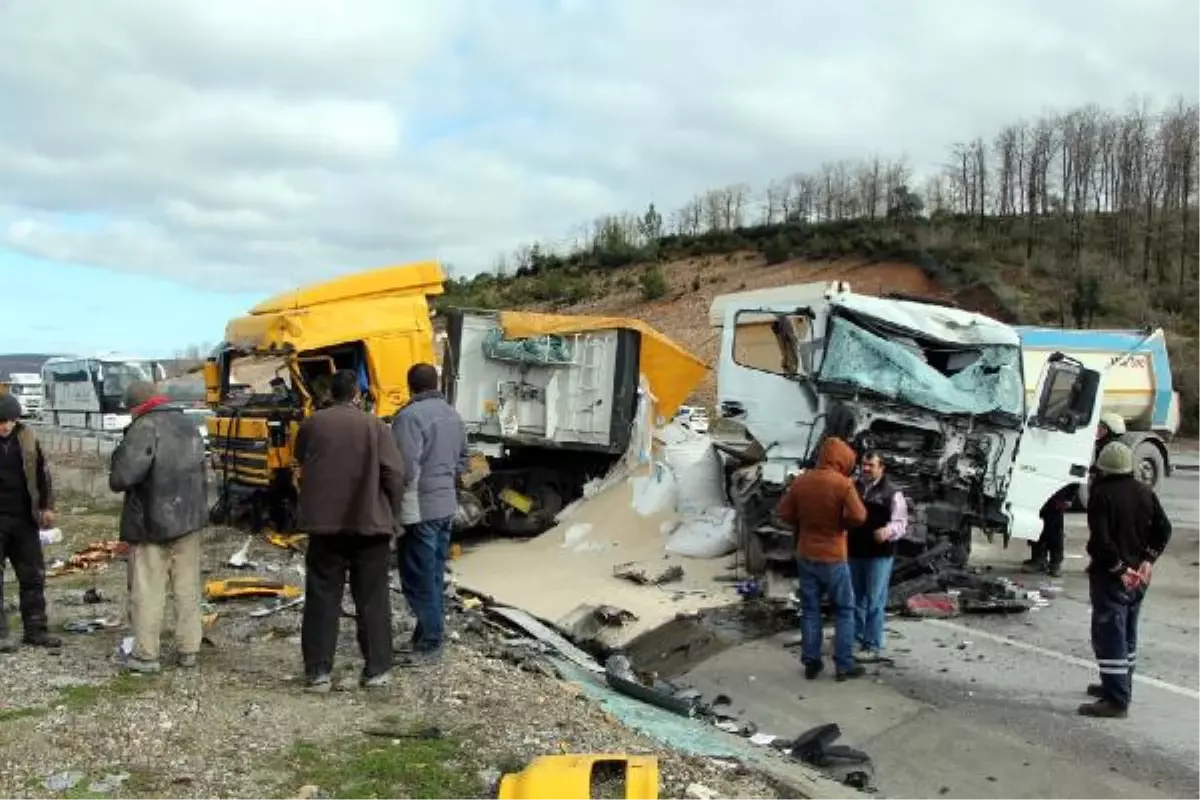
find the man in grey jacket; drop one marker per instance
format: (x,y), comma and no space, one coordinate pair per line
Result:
(159,465)
(433,445)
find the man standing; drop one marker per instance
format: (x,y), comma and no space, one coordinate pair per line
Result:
(26,504)
(872,548)
(433,443)
(819,506)
(1048,549)
(159,465)
(1128,530)
(351,478)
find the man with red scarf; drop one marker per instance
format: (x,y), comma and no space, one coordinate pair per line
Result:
(159,465)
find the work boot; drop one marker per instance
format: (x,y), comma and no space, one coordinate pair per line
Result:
(7,645)
(1055,571)
(857,671)
(813,668)
(187,660)
(1095,690)
(1104,709)
(42,639)
(321,684)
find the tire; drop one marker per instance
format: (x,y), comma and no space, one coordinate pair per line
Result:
(1148,465)
(754,555)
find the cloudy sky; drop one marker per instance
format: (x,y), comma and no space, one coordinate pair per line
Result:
(165,164)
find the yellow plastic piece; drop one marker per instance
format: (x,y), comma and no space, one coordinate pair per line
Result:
(569,777)
(673,372)
(517,500)
(234,588)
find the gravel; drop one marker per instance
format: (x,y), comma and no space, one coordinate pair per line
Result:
(228,727)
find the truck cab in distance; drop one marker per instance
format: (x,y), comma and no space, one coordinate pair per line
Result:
(936,390)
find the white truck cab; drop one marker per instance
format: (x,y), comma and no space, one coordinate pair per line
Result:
(936,390)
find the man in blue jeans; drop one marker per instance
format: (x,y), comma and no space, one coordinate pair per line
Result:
(872,548)
(819,505)
(433,445)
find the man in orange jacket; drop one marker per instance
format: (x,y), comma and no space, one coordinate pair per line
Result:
(820,505)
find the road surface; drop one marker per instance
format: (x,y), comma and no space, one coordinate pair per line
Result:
(985,706)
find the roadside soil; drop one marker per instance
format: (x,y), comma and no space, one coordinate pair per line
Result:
(240,726)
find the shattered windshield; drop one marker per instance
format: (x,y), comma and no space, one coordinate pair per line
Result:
(945,378)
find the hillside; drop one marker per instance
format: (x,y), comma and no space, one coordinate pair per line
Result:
(21,362)
(981,267)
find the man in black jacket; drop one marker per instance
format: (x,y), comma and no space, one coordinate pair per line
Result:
(871,548)
(1128,531)
(159,465)
(26,504)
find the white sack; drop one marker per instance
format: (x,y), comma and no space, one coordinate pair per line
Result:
(710,534)
(697,469)
(654,493)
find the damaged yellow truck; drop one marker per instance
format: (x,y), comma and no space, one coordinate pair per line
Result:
(549,401)
(273,370)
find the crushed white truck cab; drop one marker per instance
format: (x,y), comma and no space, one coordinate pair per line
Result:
(937,390)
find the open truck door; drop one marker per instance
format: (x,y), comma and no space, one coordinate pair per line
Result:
(1056,446)
(764,376)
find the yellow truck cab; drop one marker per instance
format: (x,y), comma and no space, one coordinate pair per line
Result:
(273,368)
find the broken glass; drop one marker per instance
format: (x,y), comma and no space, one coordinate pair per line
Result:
(975,380)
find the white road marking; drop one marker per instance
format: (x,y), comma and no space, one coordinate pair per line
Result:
(1057,656)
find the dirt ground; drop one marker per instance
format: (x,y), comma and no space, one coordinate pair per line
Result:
(240,726)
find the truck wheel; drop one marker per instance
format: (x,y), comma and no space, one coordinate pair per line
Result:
(1148,465)
(754,556)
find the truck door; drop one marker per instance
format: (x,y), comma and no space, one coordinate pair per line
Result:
(763,377)
(1055,449)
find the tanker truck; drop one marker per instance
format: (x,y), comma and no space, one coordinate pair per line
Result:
(1137,387)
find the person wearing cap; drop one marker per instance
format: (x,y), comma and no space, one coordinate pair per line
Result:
(159,466)
(1127,532)
(26,505)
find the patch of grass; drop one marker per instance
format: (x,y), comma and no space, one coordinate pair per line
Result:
(124,685)
(376,768)
(12,714)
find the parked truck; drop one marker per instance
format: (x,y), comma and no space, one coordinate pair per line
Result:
(550,402)
(29,390)
(1138,387)
(938,391)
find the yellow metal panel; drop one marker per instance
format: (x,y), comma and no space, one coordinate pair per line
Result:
(569,777)
(420,277)
(673,372)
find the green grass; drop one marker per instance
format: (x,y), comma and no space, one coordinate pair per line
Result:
(381,767)
(76,698)
(12,714)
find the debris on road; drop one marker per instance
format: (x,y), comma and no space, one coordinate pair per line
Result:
(934,606)
(93,557)
(238,588)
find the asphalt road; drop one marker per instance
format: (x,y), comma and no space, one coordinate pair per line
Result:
(985,706)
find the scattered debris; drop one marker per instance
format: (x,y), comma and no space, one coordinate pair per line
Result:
(50,536)
(237,588)
(63,781)
(241,558)
(95,556)
(308,792)
(936,606)
(293,541)
(276,607)
(698,791)
(620,676)
(108,784)
(91,625)
(639,574)
(611,615)
(816,747)
(93,596)
(546,634)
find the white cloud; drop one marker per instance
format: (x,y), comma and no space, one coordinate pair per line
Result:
(259,144)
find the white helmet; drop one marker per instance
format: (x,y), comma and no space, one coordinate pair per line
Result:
(1114,422)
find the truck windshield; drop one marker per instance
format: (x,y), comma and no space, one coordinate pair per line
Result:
(942,377)
(120,375)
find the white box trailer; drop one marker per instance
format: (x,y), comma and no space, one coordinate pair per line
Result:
(1137,385)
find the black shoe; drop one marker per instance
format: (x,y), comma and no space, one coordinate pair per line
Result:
(813,669)
(1103,709)
(1095,690)
(1055,571)
(42,639)
(857,671)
